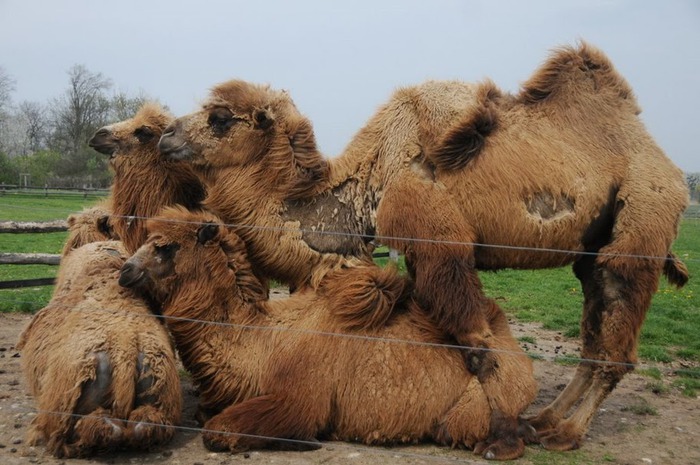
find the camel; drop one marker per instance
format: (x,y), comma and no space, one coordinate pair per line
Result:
(100,366)
(92,224)
(262,384)
(144,181)
(462,177)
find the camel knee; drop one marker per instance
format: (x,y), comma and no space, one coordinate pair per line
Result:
(95,392)
(146,381)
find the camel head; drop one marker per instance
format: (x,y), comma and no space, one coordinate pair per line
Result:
(134,137)
(243,124)
(189,248)
(90,225)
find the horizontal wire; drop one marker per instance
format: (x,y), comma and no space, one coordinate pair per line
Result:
(381,450)
(379,339)
(376,338)
(413,239)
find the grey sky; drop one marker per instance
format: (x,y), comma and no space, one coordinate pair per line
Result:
(341,59)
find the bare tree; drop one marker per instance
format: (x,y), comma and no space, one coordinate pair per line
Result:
(7,86)
(693,180)
(82,109)
(77,114)
(125,107)
(33,115)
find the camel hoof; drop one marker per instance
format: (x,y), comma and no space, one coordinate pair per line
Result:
(527,432)
(216,443)
(502,449)
(558,441)
(543,422)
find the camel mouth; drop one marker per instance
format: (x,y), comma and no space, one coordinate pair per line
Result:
(180,153)
(105,148)
(130,277)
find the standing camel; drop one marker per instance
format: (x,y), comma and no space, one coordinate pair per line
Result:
(562,172)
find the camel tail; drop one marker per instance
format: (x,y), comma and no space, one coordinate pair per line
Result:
(675,271)
(364,298)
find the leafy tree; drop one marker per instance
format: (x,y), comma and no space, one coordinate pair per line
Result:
(9,173)
(42,167)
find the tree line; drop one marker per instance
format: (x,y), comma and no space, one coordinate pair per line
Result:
(45,143)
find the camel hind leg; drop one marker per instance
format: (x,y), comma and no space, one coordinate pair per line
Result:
(265,422)
(614,310)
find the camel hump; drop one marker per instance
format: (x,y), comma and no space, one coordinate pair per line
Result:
(675,271)
(363,298)
(571,71)
(465,140)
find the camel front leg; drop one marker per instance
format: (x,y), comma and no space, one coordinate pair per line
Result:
(419,219)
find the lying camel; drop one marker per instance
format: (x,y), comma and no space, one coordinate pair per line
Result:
(562,172)
(92,224)
(101,368)
(303,384)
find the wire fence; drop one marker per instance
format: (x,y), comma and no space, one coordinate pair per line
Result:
(372,339)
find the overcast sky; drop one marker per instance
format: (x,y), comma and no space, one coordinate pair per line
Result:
(341,59)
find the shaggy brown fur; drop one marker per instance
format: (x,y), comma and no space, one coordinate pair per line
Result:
(144,181)
(101,368)
(90,225)
(298,384)
(566,164)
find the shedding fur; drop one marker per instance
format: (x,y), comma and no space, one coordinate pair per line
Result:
(566,164)
(100,367)
(295,384)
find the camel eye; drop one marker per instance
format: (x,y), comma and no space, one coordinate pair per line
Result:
(167,251)
(220,120)
(144,134)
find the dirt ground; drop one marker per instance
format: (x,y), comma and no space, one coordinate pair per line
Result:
(621,432)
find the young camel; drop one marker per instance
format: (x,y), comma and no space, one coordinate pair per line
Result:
(144,180)
(481,180)
(92,224)
(305,384)
(100,366)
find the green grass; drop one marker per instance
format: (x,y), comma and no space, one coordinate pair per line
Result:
(552,297)
(37,207)
(33,207)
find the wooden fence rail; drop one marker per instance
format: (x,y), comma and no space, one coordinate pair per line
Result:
(19,227)
(29,259)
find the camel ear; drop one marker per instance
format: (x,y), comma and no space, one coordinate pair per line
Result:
(263,119)
(71,220)
(207,232)
(104,227)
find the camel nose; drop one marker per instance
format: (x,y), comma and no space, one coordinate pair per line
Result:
(98,137)
(166,143)
(127,275)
